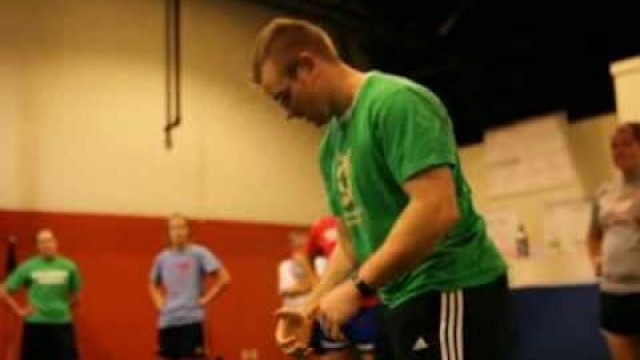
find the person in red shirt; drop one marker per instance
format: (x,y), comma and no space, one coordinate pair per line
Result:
(323,237)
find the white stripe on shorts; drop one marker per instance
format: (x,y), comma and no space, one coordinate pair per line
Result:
(451,325)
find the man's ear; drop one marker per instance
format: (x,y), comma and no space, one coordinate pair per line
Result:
(307,64)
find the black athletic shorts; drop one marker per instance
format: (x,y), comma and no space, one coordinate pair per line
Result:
(467,324)
(182,341)
(620,313)
(49,342)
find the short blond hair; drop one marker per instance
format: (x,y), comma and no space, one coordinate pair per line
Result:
(284,38)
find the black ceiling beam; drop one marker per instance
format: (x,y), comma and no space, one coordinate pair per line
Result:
(350,17)
(357,18)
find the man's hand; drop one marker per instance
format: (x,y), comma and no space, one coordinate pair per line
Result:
(337,307)
(293,332)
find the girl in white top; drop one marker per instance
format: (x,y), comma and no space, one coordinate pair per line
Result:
(614,246)
(295,278)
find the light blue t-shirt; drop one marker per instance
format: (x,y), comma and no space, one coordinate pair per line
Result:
(182,273)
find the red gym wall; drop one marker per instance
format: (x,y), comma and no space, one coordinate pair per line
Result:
(116,319)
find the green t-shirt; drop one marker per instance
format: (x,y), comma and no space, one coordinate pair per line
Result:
(394,130)
(50,284)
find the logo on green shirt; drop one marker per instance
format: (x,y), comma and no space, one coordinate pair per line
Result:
(352,214)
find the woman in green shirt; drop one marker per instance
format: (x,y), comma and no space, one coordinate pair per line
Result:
(52,283)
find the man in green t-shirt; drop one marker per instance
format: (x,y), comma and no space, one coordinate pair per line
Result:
(409,231)
(52,282)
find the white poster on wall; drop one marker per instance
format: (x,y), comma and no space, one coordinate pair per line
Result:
(566,223)
(529,156)
(507,231)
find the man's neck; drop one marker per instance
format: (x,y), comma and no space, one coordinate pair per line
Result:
(349,81)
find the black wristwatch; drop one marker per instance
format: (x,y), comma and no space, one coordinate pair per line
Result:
(363,288)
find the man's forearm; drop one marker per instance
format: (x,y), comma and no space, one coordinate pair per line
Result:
(340,266)
(414,235)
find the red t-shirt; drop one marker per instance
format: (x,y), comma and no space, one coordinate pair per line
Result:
(323,237)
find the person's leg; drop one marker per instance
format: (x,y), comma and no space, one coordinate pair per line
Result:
(383,349)
(167,344)
(181,342)
(412,329)
(63,339)
(39,343)
(620,320)
(190,342)
(622,347)
(29,346)
(487,321)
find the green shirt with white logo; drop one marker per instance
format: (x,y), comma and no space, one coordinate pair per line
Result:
(394,130)
(50,284)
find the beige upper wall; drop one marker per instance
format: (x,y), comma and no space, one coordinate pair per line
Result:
(626,74)
(590,143)
(9,131)
(85,109)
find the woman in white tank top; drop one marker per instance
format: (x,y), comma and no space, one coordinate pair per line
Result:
(614,246)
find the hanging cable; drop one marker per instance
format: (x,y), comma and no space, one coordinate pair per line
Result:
(173,65)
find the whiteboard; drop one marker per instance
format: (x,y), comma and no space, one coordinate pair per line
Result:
(528,156)
(566,223)
(502,226)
